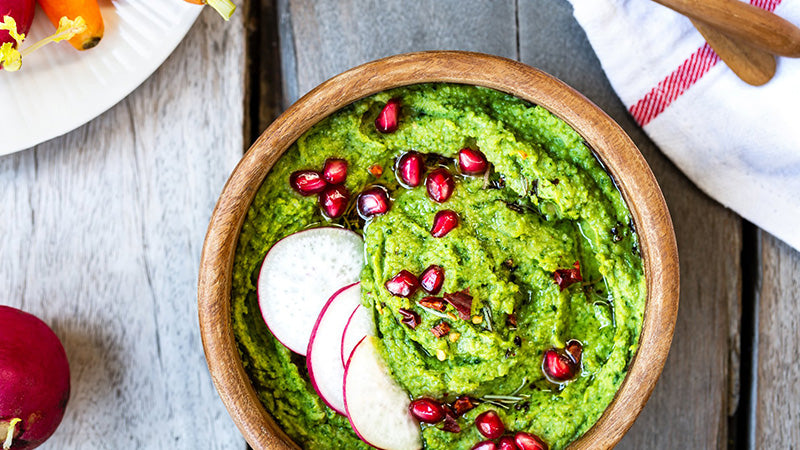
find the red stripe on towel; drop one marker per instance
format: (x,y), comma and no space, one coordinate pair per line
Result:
(682,78)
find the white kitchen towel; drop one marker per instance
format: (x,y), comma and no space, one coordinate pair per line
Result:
(740,144)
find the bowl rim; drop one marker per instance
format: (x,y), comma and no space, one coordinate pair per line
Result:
(607,139)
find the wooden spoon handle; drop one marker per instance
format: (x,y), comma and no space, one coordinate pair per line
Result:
(754,66)
(746,22)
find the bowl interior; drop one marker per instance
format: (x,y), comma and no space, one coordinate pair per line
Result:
(610,143)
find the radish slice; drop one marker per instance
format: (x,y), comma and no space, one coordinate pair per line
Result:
(376,405)
(299,274)
(358,325)
(323,356)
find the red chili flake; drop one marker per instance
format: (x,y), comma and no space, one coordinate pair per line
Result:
(511,320)
(462,302)
(464,404)
(436,303)
(566,277)
(450,424)
(376,170)
(410,318)
(441,329)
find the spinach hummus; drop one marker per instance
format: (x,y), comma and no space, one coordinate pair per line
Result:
(543,279)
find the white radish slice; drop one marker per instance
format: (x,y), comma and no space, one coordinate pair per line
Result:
(323,356)
(376,405)
(359,324)
(299,274)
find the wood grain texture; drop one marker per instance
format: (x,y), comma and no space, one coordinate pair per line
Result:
(777,402)
(328,37)
(752,65)
(102,237)
(743,21)
(699,385)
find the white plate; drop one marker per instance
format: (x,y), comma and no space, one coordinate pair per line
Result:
(59,88)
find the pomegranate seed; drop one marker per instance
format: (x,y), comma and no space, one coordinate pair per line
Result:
(485,445)
(432,279)
(443,223)
(335,171)
(472,162)
(409,169)
(334,201)
(507,443)
(426,410)
(558,367)
(307,182)
(404,284)
(440,185)
(527,441)
(373,202)
(387,119)
(490,425)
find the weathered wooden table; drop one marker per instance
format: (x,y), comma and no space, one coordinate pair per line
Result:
(102,228)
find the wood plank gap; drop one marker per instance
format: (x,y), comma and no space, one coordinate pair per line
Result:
(516,28)
(741,423)
(265,84)
(288,53)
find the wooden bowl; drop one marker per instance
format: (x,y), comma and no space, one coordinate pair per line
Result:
(609,141)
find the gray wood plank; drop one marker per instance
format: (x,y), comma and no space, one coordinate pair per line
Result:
(699,385)
(777,405)
(326,37)
(102,236)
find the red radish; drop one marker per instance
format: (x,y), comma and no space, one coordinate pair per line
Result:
(472,162)
(527,441)
(440,184)
(299,274)
(335,171)
(490,425)
(334,200)
(444,222)
(307,182)
(376,405)
(358,326)
(506,443)
(409,169)
(388,118)
(485,445)
(323,355)
(21,11)
(34,380)
(558,366)
(427,410)
(404,284)
(432,279)
(373,202)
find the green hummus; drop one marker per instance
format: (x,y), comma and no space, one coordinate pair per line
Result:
(546,203)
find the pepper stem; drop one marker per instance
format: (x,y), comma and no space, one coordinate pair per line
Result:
(225,8)
(11,428)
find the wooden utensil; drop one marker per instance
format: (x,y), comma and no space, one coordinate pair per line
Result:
(610,143)
(744,22)
(753,65)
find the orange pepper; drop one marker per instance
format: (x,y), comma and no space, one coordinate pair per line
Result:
(88,9)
